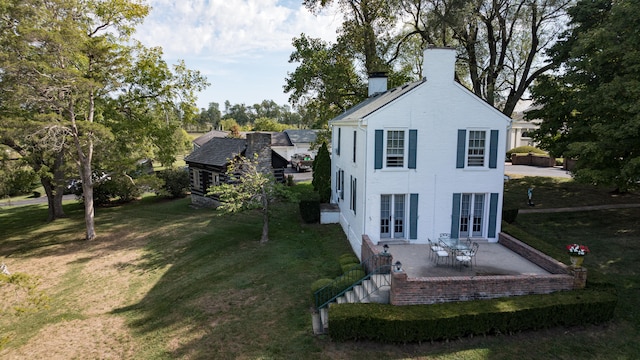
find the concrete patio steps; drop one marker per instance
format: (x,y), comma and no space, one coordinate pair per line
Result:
(373,290)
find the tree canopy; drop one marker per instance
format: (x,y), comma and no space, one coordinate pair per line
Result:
(500,47)
(77,87)
(590,108)
(248,187)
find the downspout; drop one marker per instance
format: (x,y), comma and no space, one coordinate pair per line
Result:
(364,182)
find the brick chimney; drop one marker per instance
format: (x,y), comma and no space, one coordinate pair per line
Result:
(439,64)
(260,143)
(377,83)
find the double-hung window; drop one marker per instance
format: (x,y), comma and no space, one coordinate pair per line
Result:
(340,184)
(352,200)
(477,149)
(395,149)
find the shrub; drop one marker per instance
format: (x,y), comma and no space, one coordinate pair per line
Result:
(509,215)
(419,323)
(320,283)
(115,187)
(348,259)
(176,182)
(349,266)
(17,181)
(524,150)
(310,207)
(290,180)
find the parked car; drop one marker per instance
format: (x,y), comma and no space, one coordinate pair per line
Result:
(302,162)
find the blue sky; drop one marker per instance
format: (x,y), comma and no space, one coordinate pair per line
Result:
(241,46)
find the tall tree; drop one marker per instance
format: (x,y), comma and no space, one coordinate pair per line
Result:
(66,63)
(325,83)
(501,43)
(590,107)
(322,173)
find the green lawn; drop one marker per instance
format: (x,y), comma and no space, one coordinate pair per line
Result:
(164,280)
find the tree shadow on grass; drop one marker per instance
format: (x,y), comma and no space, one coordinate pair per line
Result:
(235,296)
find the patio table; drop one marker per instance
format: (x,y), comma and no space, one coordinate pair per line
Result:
(455,243)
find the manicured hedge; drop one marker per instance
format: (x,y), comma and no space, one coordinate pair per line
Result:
(310,210)
(418,323)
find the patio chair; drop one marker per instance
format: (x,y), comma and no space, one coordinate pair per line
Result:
(433,248)
(445,235)
(467,256)
(444,254)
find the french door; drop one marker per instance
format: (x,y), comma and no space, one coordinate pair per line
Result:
(392,216)
(472,215)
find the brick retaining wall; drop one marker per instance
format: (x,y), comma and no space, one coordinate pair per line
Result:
(430,290)
(535,256)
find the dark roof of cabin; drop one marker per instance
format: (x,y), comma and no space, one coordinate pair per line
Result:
(277,138)
(202,139)
(217,151)
(302,136)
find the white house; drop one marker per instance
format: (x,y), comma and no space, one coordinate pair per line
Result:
(519,133)
(419,160)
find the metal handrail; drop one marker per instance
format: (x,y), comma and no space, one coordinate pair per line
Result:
(376,264)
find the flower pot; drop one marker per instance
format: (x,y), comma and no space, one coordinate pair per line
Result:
(576,260)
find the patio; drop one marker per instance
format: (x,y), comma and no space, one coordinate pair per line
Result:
(491,259)
(503,269)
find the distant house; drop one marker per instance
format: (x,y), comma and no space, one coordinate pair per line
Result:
(418,160)
(519,133)
(208,163)
(302,141)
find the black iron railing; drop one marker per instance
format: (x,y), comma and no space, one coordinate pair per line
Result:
(375,265)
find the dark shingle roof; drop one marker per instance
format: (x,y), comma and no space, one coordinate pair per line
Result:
(217,151)
(376,102)
(277,138)
(201,140)
(302,136)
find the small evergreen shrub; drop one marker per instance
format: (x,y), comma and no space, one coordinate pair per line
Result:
(319,284)
(348,259)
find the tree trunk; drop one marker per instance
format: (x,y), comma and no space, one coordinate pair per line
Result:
(84,160)
(265,217)
(87,194)
(54,199)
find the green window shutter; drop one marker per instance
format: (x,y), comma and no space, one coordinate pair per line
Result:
(462,145)
(413,146)
(493,215)
(338,146)
(413,216)
(378,150)
(493,150)
(455,215)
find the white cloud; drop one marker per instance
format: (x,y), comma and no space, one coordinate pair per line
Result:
(219,29)
(241,46)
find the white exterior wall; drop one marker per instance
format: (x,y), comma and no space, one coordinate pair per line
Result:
(352,222)
(437,115)
(436,108)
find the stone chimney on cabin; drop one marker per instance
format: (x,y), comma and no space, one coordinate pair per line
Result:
(260,143)
(377,83)
(439,64)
